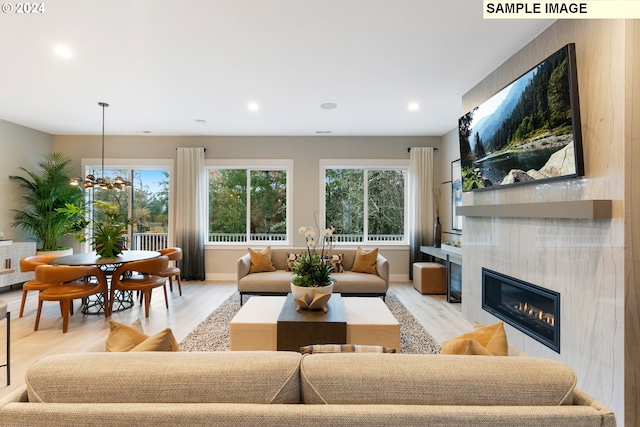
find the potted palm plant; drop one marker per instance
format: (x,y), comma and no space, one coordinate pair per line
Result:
(44,192)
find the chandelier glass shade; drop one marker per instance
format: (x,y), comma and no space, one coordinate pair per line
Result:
(90,181)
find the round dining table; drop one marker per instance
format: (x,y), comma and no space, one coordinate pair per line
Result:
(93,258)
(122,300)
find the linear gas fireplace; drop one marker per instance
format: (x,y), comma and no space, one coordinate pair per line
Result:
(527,307)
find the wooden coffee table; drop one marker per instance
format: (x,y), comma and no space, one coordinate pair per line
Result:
(369,322)
(296,329)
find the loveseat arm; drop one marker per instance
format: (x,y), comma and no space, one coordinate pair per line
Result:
(243,266)
(382,266)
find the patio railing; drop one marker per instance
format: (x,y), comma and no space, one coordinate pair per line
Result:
(155,241)
(149,241)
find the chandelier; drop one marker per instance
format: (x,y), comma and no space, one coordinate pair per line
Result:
(90,181)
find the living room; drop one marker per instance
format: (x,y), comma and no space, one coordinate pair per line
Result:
(591,263)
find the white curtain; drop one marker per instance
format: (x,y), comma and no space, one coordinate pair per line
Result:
(421,216)
(191,212)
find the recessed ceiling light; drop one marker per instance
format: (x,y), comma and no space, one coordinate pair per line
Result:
(62,51)
(328,106)
(253,106)
(413,106)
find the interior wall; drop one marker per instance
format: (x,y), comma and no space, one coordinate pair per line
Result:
(306,152)
(582,259)
(632,225)
(21,147)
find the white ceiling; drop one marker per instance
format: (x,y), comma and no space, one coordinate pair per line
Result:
(163,64)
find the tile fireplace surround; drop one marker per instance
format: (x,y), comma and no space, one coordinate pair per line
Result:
(573,257)
(587,260)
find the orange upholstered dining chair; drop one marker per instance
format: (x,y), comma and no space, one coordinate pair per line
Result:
(174,254)
(141,276)
(29,264)
(67,283)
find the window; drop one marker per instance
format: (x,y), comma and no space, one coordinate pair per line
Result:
(147,201)
(248,204)
(366,204)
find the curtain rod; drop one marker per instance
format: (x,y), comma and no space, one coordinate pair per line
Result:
(434,149)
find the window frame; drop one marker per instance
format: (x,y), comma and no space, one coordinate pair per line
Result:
(367,165)
(89,164)
(259,165)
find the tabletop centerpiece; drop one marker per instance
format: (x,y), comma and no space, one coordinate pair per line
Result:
(109,228)
(312,285)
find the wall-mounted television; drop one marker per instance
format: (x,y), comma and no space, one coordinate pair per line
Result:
(528,132)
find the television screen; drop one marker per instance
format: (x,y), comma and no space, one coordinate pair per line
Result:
(528,132)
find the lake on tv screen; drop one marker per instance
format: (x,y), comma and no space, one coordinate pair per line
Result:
(495,168)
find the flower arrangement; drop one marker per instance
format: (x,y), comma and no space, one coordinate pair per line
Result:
(312,269)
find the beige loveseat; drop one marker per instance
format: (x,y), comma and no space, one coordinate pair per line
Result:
(288,389)
(278,282)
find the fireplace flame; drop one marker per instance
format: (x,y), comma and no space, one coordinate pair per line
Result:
(536,313)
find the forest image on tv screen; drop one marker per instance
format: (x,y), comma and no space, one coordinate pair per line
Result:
(524,133)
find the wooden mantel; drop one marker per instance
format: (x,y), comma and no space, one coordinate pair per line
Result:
(575,209)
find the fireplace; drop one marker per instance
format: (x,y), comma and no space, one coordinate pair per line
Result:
(531,309)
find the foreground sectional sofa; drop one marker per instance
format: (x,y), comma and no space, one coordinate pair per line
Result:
(278,282)
(288,389)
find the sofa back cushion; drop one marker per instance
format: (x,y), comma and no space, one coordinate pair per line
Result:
(225,377)
(413,379)
(279,256)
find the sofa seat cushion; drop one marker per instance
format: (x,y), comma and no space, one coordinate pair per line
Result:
(395,379)
(352,282)
(250,415)
(273,281)
(166,377)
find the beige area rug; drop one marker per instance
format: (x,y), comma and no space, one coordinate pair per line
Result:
(213,333)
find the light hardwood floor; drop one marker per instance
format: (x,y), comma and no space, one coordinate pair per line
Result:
(441,319)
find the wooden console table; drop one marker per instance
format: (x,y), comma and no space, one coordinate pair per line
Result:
(453,295)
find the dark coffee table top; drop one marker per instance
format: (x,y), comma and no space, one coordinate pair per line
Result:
(335,314)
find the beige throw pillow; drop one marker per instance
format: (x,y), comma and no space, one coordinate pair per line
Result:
(124,337)
(365,261)
(484,341)
(162,341)
(261,260)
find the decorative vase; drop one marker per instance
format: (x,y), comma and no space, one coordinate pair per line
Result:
(437,233)
(311,298)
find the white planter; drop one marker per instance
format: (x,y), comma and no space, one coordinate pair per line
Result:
(61,252)
(307,293)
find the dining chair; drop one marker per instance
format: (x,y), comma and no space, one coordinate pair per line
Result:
(141,276)
(29,264)
(174,254)
(67,283)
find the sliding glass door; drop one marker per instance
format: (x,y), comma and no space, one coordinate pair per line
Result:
(147,201)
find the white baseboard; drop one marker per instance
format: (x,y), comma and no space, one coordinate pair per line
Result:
(221,277)
(398,277)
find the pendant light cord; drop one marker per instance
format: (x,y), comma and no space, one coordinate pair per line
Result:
(103,105)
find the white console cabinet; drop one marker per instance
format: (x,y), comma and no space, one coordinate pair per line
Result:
(10,255)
